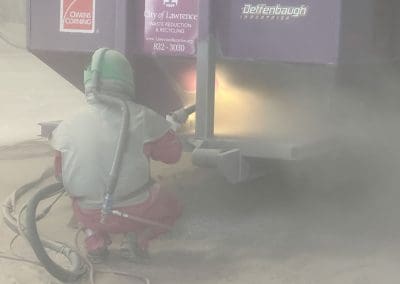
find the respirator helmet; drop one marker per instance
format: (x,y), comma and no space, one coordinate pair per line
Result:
(109,73)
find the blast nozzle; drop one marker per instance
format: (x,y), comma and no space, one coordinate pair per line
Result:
(179,117)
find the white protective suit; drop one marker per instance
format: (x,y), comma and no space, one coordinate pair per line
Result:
(87,143)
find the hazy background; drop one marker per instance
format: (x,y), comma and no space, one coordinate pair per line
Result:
(329,219)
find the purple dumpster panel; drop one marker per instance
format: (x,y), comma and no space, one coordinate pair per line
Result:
(280,30)
(277,30)
(171,27)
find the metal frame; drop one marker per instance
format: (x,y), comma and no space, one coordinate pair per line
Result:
(205,89)
(28,24)
(275,149)
(120,25)
(226,156)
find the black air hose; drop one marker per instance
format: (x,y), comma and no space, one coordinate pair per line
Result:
(33,237)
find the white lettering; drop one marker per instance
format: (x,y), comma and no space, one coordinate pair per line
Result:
(260,10)
(153,15)
(174,16)
(77,21)
(246,9)
(81,15)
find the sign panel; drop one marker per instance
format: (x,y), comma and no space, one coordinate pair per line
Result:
(77,16)
(280,30)
(171,27)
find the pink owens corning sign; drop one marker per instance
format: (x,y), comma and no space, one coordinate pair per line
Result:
(77,16)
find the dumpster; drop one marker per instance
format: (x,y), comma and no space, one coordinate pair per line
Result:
(264,74)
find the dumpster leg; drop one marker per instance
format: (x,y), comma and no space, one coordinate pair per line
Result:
(205,91)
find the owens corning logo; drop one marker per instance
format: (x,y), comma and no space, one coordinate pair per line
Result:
(276,12)
(170,3)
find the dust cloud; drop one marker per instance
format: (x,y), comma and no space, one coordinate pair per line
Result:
(349,191)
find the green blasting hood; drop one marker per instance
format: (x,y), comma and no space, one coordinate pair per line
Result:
(111,65)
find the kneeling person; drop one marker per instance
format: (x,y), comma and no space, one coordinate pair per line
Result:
(85,148)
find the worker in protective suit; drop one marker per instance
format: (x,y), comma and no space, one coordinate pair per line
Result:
(85,148)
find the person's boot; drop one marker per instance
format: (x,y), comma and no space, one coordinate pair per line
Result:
(98,256)
(96,246)
(131,251)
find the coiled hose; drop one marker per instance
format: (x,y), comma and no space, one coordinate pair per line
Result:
(30,231)
(38,245)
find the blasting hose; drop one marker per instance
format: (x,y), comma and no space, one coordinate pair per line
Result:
(94,89)
(118,153)
(37,244)
(30,230)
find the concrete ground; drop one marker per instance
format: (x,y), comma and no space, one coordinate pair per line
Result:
(30,92)
(281,229)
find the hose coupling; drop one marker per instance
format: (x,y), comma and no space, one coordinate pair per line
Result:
(106,208)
